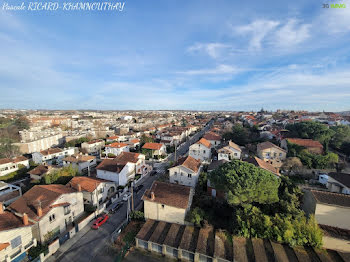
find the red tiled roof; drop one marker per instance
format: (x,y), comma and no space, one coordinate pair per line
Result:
(39,170)
(78,158)
(169,194)
(331,198)
(51,151)
(43,194)
(118,163)
(88,184)
(117,145)
(4,245)
(266,145)
(113,137)
(5,161)
(264,165)
(153,146)
(190,163)
(204,142)
(305,142)
(9,221)
(212,136)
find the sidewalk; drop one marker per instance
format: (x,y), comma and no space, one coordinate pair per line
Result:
(69,243)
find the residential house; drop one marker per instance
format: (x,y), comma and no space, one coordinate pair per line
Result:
(185,172)
(229,152)
(123,168)
(336,182)
(8,165)
(331,209)
(95,191)
(201,150)
(84,163)
(112,139)
(213,138)
(93,147)
(133,143)
(9,193)
(15,236)
(154,149)
(312,146)
(52,156)
(271,153)
(264,165)
(167,202)
(40,171)
(52,209)
(116,148)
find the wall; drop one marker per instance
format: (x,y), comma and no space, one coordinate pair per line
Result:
(8,235)
(76,209)
(333,216)
(182,176)
(169,214)
(336,244)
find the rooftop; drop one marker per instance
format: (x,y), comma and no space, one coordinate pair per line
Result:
(330,198)
(169,194)
(190,163)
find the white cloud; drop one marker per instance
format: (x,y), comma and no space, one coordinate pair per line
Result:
(258,30)
(292,33)
(219,70)
(212,49)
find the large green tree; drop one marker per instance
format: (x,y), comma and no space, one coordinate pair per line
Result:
(239,135)
(341,136)
(245,183)
(311,130)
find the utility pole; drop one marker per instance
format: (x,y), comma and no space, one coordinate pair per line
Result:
(132,198)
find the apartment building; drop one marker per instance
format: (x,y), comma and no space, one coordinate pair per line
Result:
(93,147)
(8,165)
(52,155)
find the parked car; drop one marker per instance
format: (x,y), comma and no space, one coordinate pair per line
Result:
(100,221)
(126,196)
(115,207)
(138,188)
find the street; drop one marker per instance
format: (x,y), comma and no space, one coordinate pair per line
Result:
(96,245)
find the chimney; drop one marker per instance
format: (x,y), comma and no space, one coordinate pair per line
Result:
(152,196)
(79,187)
(39,210)
(1,208)
(25,219)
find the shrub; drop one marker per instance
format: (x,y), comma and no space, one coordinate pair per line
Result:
(137,215)
(110,155)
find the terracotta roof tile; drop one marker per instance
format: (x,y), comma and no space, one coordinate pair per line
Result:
(330,198)
(266,145)
(88,184)
(51,151)
(189,162)
(153,146)
(212,136)
(169,194)
(43,194)
(117,145)
(118,163)
(39,170)
(305,142)
(9,221)
(264,165)
(204,142)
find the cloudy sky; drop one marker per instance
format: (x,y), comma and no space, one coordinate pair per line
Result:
(166,54)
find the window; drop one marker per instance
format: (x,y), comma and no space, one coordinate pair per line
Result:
(280,154)
(162,206)
(16,242)
(66,210)
(189,175)
(204,151)
(235,154)
(175,173)
(52,218)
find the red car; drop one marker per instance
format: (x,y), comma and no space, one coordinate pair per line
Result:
(100,221)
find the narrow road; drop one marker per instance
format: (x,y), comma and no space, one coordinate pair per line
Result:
(96,245)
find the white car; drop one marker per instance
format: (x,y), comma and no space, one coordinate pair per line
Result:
(126,196)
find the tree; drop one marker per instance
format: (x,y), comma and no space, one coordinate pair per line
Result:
(341,136)
(311,130)
(245,183)
(145,139)
(7,148)
(292,163)
(239,135)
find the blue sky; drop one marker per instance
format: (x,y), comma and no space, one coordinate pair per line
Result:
(166,54)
